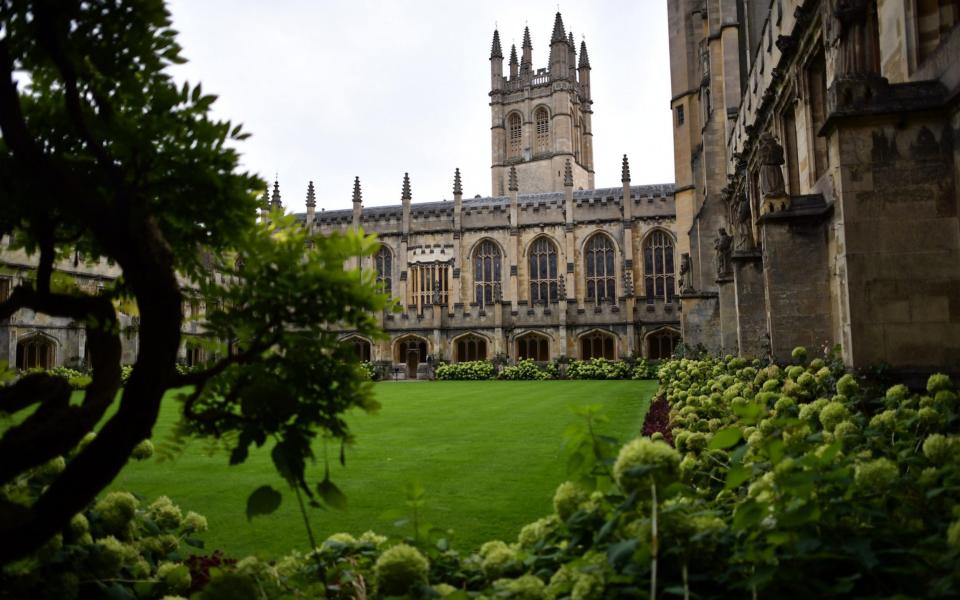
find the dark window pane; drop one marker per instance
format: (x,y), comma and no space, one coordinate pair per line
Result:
(553,266)
(553,291)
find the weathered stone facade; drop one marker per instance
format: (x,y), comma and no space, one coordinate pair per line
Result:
(546,267)
(821,134)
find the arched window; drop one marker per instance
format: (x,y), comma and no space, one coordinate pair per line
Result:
(658,274)
(471,347)
(384,263)
(486,272)
(361,348)
(514,136)
(543,271)
(533,346)
(661,344)
(598,345)
(601,276)
(542,121)
(194,354)
(35,351)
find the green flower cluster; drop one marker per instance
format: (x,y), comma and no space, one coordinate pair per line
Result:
(524,370)
(476,370)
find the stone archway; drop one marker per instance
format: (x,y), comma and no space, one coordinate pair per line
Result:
(36,351)
(411,351)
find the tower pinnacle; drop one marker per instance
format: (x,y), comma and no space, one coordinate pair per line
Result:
(584,59)
(496,51)
(405,194)
(558,33)
(512,184)
(513,55)
(567,174)
(457,188)
(625,170)
(275,198)
(357,195)
(526,38)
(311,196)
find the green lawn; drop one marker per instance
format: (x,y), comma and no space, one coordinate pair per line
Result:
(487,453)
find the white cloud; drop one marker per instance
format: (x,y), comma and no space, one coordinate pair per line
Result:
(334,89)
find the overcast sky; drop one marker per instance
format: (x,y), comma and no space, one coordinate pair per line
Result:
(333,89)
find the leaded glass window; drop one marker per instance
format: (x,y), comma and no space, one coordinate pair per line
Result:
(600,272)
(486,272)
(543,271)
(658,273)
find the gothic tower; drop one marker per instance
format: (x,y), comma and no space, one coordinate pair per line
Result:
(541,118)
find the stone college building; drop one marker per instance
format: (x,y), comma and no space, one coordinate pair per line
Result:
(817,174)
(547,266)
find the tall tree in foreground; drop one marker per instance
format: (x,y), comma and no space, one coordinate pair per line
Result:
(102,153)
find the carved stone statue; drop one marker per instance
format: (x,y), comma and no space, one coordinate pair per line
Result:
(723,245)
(772,188)
(743,226)
(858,51)
(686,276)
(436,292)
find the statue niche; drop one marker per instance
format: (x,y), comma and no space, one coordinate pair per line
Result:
(773,192)
(686,275)
(724,247)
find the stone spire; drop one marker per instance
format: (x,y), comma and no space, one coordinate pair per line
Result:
(357,196)
(572,59)
(625,170)
(512,184)
(311,196)
(513,55)
(496,51)
(567,174)
(405,193)
(457,188)
(559,51)
(584,59)
(526,63)
(558,33)
(275,198)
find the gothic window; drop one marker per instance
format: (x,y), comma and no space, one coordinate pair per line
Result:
(35,351)
(542,121)
(384,263)
(533,346)
(658,275)
(661,345)
(601,276)
(361,348)
(598,345)
(194,354)
(486,272)
(515,136)
(429,284)
(543,271)
(471,347)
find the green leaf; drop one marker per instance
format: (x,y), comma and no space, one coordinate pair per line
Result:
(736,475)
(748,514)
(620,553)
(331,494)
(263,501)
(725,438)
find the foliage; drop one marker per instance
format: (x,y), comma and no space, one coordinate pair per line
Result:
(118,547)
(599,368)
(103,154)
(75,379)
(524,370)
(466,371)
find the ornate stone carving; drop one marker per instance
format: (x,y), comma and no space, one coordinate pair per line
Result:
(686,275)
(724,246)
(627,282)
(851,30)
(772,188)
(562,288)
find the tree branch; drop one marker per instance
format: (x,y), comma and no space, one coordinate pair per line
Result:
(12,123)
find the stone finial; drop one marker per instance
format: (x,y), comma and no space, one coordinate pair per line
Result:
(513,55)
(457,188)
(496,51)
(512,184)
(526,38)
(584,59)
(558,33)
(311,196)
(573,44)
(275,198)
(568,174)
(625,170)
(405,195)
(357,195)
(265,199)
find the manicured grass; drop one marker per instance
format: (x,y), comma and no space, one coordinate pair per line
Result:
(489,455)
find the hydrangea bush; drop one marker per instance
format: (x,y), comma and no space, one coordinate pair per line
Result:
(475,370)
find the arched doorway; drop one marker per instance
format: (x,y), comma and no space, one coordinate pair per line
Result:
(361,348)
(36,352)
(533,346)
(661,344)
(411,351)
